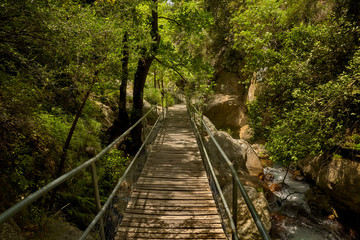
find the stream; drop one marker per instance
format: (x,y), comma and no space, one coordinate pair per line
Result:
(292,218)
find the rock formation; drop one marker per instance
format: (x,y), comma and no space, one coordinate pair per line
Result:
(338,176)
(227,108)
(249,168)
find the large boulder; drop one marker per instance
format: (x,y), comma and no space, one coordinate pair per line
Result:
(227,112)
(249,168)
(228,83)
(239,152)
(339,176)
(227,108)
(246,226)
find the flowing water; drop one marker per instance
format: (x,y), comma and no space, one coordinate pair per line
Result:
(292,218)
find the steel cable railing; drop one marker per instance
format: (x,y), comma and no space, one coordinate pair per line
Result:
(91,162)
(236,181)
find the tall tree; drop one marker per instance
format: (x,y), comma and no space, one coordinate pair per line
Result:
(143,67)
(121,123)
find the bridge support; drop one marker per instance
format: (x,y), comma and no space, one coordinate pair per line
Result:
(97,198)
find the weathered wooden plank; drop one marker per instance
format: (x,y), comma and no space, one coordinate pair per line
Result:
(168,212)
(174,175)
(171,208)
(175,223)
(152,238)
(170,225)
(172,198)
(177,217)
(165,182)
(171,230)
(170,187)
(172,202)
(126,235)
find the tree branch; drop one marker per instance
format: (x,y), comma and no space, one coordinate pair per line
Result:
(173,68)
(173,20)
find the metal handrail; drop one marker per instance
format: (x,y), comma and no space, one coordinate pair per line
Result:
(42,191)
(118,185)
(212,172)
(262,230)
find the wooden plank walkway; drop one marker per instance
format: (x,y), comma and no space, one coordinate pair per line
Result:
(172,198)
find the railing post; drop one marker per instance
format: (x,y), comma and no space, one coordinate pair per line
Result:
(166,101)
(162,104)
(234,205)
(97,198)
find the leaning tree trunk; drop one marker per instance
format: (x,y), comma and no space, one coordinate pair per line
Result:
(142,70)
(61,166)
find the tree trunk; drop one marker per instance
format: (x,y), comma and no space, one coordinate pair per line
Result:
(61,166)
(142,70)
(155,79)
(121,123)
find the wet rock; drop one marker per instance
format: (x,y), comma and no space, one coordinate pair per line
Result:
(277,217)
(279,223)
(275,187)
(268,177)
(319,202)
(296,175)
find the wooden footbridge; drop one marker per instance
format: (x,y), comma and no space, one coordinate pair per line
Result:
(172,198)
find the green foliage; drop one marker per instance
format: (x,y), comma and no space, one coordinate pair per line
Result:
(112,168)
(86,134)
(50,53)
(304,54)
(227,130)
(81,209)
(152,95)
